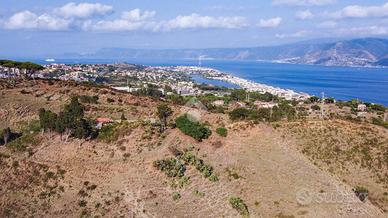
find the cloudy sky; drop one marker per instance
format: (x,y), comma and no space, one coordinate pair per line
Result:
(42,27)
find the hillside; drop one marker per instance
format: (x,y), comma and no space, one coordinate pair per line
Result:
(276,169)
(356,52)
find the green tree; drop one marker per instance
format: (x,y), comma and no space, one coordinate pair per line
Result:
(83,129)
(239,114)
(74,110)
(238,95)
(163,111)
(47,119)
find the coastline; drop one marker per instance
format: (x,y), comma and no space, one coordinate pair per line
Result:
(214,74)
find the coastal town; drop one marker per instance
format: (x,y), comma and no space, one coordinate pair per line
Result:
(131,78)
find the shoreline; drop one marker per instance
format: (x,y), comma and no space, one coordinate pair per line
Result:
(214,74)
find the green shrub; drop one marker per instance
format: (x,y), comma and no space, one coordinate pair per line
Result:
(21,143)
(239,114)
(316,107)
(194,129)
(176,196)
(112,132)
(206,170)
(240,206)
(222,131)
(171,167)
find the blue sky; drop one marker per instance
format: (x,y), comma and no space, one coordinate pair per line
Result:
(45,27)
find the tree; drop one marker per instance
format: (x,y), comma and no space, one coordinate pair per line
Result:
(74,110)
(47,119)
(263,114)
(164,111)
(314,99)
(238,95)
(83,129)
(239,114)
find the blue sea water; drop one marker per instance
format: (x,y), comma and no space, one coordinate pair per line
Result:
(344,83)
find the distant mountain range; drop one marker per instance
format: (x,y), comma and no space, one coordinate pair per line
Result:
(355,52)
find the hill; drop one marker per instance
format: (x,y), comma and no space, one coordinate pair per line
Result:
(281,169)
(356,52)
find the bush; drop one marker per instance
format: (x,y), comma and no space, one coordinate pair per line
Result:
(176,196)
(171,167)
(263,114)
(222,131)
(194,129)
(316,107)
(239,114)
(240,206)
(21,143)
(206,170)
(112,132)
(380,122)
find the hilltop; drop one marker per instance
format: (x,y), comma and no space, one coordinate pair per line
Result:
(240,166)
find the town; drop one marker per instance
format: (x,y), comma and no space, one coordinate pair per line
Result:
(131,78)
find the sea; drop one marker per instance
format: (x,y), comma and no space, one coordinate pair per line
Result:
(342,83)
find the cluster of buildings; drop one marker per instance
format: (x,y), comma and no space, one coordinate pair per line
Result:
(175,77)
(6,72)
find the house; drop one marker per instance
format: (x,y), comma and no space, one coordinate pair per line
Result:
(218,103)
(260,104)
(101,121)
(361,107)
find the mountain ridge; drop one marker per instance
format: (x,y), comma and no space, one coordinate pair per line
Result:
(354,52)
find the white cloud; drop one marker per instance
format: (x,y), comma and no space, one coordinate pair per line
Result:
(82,16)
(304,15)
(129,21)
(303,2)
(270,23)
(328,24)
(137,20)
(298,34)
(137,15)
(29,20)
(195,21)
(83,10)
(356,11)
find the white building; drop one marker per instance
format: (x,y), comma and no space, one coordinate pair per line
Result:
(361,107)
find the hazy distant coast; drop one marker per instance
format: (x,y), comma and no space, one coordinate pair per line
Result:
(364,52)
